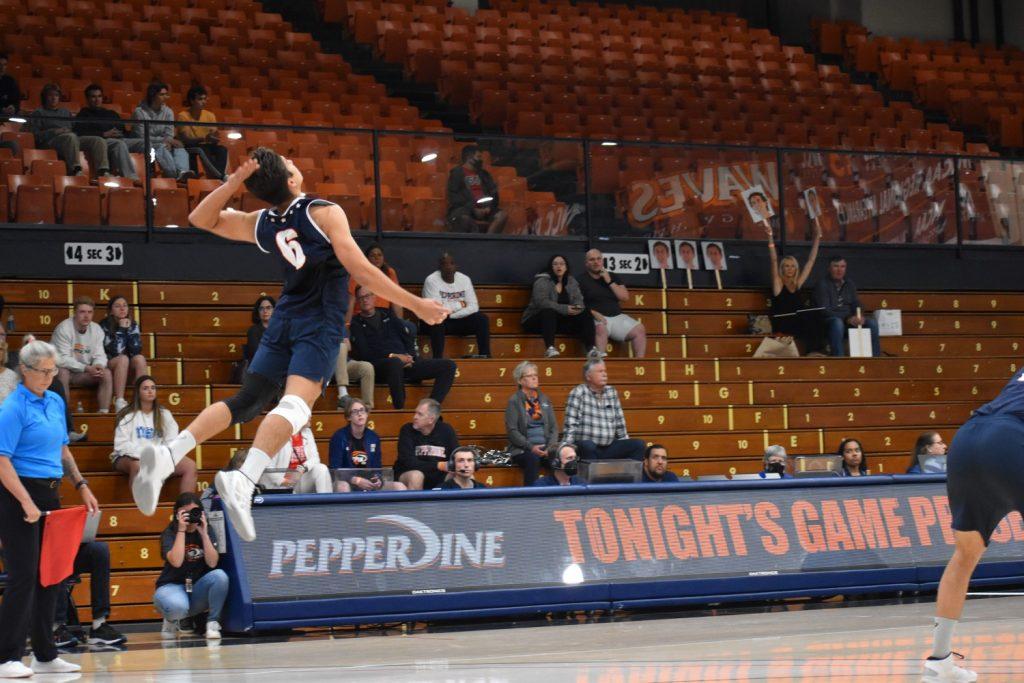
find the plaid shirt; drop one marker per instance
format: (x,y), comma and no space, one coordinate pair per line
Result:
(594,417)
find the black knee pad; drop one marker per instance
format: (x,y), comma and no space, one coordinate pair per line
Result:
(256,392)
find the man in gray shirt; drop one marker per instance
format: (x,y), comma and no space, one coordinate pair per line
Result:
(838,295)
(50,125)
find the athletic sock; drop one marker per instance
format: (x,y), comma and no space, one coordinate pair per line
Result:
(96,623)
(943,643)
(255,462)
(181,445)
(342,391)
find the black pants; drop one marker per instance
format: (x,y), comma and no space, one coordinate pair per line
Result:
(476,324)
(549,322)
(92,559)
(390,371)
(213,157)
(530,464)
(27,607)
(620,449)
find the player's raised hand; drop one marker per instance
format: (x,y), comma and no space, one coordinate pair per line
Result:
(244,170)
(431,312)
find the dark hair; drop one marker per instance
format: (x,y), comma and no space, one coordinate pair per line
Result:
(835,259)
(468,151)
(194,92)
(716,245)
(152,89)
(376,245)
(662,243)
(351,404)
(647,451)
(863,455)
(184,499)
(48,88)
(550,270)
(93,86)
(256,307)
(757,194)
(109,323)
(270,182)
(136,405)
(920,446)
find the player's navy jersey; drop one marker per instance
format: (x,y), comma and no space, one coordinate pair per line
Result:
(315,282)
(1010,400)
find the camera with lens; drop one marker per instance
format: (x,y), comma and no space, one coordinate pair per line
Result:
(195,516)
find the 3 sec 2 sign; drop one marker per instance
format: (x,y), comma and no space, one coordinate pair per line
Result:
(635,264)
(93,254)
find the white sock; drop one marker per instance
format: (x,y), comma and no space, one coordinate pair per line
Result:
(96,623)
(943,643)
(255,462)
(342,391)
(181,445)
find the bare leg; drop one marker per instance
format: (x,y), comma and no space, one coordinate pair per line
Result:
(413,480)
(212,421)
(953,586)
(275,431)
(637,338)
(105,389)
(129,466)
(118,367)
(64,377)
(189,473)
(139,366)
(601,336)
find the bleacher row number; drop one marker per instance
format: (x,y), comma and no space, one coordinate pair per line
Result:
(44,294)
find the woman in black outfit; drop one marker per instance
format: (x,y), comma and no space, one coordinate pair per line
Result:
(556,305)
(261,312)
(787,297)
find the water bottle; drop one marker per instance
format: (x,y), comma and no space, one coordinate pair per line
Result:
(10,323)
(79,408)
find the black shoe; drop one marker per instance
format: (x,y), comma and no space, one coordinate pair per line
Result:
(62,637)
(106,635)
(187,625)
(344,402)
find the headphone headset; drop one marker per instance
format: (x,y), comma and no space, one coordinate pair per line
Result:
(555,460)
(461,449)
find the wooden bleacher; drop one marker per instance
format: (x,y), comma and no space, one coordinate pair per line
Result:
(698,391)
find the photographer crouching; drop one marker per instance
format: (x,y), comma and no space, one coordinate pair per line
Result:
(190,582)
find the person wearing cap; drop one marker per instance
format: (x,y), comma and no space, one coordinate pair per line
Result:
(775,462)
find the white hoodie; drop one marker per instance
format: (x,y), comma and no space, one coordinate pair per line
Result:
(452,295)
(282,459)
(76,351)
(136,430)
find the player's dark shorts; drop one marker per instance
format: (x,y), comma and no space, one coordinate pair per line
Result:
(307,347)
(985,473)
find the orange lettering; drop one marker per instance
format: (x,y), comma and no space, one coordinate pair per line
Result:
(657,538)
(631,534)
(894,522)
(837,534)
(680,541)
(776,541)
(865,521)
(945,518)
(923,512)
(601,532)
(810,536)
(569,520)
(732,515)
(710,534)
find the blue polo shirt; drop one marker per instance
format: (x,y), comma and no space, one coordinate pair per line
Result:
(32,432)
(574,480)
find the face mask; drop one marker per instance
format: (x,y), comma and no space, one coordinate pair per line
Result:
(570,468)
(775,468)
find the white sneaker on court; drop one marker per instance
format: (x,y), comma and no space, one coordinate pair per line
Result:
(947,670)
(235,492)
(169,630)
(54,666)
(212,630)
(155,465)
(14,669)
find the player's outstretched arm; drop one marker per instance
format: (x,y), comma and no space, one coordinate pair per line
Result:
(332,219)
(210,214)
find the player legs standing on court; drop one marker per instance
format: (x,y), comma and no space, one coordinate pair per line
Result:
(985,482)
(311,241)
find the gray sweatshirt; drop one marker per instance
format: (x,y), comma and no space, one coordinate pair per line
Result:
(156,132)
(545,296)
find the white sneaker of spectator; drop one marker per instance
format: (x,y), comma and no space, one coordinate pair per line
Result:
(551,352)
(212,630)
(119,404)
(169,631)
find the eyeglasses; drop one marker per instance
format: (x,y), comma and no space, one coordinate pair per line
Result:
(49,372)
(358,411)
(266,308)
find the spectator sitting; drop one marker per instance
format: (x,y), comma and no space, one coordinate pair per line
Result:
(261,312)
(462,465)
(81,358)
(855,460)
(775,458)
(8,378)
(355,445)
(594,420)
(564,464)
(380,338)
(556,306)
(145,421)
(202,142)
(97,121)
(929,455)
(306,474)
(190,582)
(50,125)
(454,290)
(424,446)
(10,94)
(348,369)
(838,295)
(93,558)
(530,423)
(122,342)
(787,298)
(473,196)
(656,466)
(169,151)
(603,294)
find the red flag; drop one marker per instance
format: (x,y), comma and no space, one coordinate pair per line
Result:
(62,534)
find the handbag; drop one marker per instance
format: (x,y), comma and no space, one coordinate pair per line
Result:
(758,323)
(777,347)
